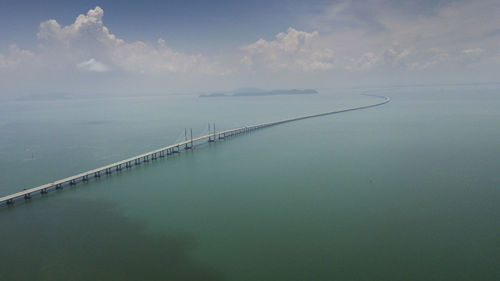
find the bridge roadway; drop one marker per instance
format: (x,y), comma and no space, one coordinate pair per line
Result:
(153,155)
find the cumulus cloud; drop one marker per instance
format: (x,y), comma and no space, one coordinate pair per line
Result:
(86,28)
(92,66)
(63,47)
(366,61)
(347,38)
(384,34)
(293,50)
(16,58)
(159,58)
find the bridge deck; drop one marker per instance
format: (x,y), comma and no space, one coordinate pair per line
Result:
(27,193)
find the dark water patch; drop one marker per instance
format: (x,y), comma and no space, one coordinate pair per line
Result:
(79,239)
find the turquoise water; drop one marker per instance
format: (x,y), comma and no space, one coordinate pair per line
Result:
(406,191)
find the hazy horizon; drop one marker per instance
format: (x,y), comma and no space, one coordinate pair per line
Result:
(342,140)
(109,48)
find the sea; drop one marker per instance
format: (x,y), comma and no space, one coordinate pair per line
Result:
(405,191)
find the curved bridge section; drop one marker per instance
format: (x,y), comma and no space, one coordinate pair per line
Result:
(160,153)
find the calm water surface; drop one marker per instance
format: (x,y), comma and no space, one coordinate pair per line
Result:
(406,191)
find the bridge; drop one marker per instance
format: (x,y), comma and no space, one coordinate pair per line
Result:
(160,153)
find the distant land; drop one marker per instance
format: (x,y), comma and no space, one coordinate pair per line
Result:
(251,92)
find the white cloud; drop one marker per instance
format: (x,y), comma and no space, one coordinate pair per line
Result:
(16,58)
(88,37)
(246,60)
(86,29)
(92,66)
(293,50)
(377,35)
(148,58)
(473,52)
(379,40)
(367,61)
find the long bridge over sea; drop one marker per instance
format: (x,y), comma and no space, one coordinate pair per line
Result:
(163,152)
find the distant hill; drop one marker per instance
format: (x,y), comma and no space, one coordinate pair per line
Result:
(258,92)
(213,95)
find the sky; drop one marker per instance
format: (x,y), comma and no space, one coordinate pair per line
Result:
(144,47)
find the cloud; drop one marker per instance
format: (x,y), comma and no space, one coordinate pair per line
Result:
(246,60)
(66,46)
(92,66)
(338,42)
(386,35)
(148,58)
(367,61)
(293,50)
(16,58)
(87,27)
(475,51)
(382,35)
(345,15)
